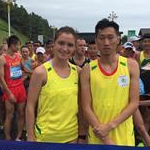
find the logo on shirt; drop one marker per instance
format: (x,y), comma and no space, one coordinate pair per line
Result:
(123,81)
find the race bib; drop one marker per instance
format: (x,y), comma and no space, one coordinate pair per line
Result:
(15,72)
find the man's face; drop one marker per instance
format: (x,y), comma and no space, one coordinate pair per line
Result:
(40,57)
(25,52)
(30,46)
(16,47)
(136,44)
(128,52)
(36,45)
(146,44)
(92,51)
(81,47)
(107,41)
(49,48)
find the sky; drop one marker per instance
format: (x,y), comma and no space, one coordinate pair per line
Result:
(83,15)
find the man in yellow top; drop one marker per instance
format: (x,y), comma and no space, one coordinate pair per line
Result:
(110,90)
(144,56)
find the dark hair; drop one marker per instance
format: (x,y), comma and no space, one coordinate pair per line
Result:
(146,36)
(12,40)
(29,42)
(80,38)
(24,46)
(39,42)
(91,42)
(104,23)
(50,41)
(66,29)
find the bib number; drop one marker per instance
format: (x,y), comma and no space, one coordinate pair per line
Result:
(15,72)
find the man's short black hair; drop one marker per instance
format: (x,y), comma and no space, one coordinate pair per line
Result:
(12,40)
(91,42)
(39,42)
(146,36)
(104,23)
(50,41)
(29,42)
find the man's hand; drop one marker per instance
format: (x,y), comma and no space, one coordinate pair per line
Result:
(102,130)
(12,98)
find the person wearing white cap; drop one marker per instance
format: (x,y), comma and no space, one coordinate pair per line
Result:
(40,57)
(135,41)
(129,50)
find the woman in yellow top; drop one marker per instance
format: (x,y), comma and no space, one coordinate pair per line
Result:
(54,89)
(110,90)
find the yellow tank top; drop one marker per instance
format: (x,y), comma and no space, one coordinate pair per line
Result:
(58,107)
(33,57)
(143,60)
(141,57)
(110,94)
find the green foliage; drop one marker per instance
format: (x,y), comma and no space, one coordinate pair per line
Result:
(39,26)
(3,10)
(20,19)
(31,25)
(4,32)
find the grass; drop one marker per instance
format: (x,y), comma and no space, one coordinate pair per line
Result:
(4,33)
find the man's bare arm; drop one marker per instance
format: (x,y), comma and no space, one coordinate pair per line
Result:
(87,100)
(133,95)
(2,80)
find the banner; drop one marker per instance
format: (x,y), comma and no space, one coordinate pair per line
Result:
(131,33)
(12,145)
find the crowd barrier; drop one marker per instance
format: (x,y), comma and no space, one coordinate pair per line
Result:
(12,145)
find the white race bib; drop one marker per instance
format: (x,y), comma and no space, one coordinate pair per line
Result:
(15,72)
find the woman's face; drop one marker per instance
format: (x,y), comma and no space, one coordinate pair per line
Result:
(64,46)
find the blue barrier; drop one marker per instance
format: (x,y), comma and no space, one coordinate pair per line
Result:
(11,145)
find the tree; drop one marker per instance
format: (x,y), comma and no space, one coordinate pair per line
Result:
(3,10)
(30,25)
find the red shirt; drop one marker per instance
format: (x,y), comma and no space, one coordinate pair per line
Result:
(12,70)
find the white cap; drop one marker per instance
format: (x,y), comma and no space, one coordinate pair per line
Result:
(40,50)
(146,67)
(129,45)
(133,38)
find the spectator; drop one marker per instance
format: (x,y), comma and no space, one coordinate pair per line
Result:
(40,57)
(135,40)
(12,86)
(129,50)
(49,50)
(79,58)
(92,50)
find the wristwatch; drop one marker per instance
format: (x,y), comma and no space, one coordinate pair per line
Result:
(83,137)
